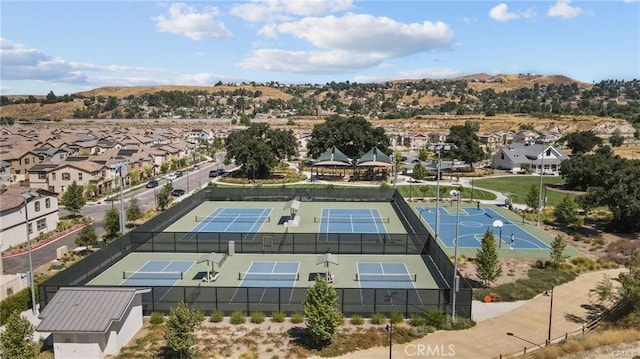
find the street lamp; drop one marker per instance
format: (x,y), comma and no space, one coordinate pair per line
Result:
(26,195)
(544,150)
(549,293)
(120,172)
(389,328)
(439,147)
(498,224)
(455,194)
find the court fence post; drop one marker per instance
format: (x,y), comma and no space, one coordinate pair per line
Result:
(248,309)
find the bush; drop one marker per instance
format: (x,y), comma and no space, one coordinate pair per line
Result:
(216,316)
(156,318)
(278,317)
(237,317)
(418,332)
(417,320)
(397,318)
(436,318)
(462,323)
(378,318)
(18,302)
(257,317)
(357,319)
(297,318)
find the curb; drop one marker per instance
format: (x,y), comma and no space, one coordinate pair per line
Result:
(49,241)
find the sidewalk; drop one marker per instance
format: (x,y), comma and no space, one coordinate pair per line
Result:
(488,339)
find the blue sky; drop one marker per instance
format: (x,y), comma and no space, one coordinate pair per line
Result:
(73,46)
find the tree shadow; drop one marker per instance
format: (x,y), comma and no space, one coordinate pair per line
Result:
(302,337)
(574,318)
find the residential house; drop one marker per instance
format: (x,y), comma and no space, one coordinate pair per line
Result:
(416,141)
(41,211)
(490,141)
(540,157)
(437,137)
(52,155)
(197,134)
(20,160)
(526,136)
(81,170)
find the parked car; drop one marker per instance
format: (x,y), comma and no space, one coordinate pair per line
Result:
(195,167)
(216,173)
(172,176)
(179,173)
(152,184)
(177,192)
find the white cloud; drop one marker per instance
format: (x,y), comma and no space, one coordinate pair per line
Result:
(187,21)
(501,13)
(347,43)
(22,63)
(284,10)
(630,1)
(563,9)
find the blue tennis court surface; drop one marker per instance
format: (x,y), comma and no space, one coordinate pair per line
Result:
(157,273)
(378,279)
(265,281)
(359,220)
(474,223)
(237,220)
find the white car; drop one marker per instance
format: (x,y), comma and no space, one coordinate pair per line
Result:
(172,176)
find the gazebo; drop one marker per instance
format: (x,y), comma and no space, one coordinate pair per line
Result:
(333,158)
(373,159)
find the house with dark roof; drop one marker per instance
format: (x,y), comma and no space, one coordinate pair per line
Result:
(539,157)
(92,322)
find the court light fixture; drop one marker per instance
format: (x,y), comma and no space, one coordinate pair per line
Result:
(455,195)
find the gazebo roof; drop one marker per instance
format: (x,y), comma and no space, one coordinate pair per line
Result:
(333,157)
(375,158)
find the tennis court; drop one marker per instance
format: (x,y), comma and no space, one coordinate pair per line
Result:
(244,220)
(384,277)
(474,223)
(156,273)
(265,280)
(351,220)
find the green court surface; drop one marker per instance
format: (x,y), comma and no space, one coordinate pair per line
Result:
(308,212)
(344,272)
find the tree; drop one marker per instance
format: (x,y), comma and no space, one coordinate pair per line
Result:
(180,327)
(423,155)
(111,223)
(72,199)
(419,172)
(487,265)
(616,139)
(566,212)
(87,236)
(354,136)
(258,148)
(321,312)
(557,251)
(133,212)
(533,197)
(582,141)
(164,196)
(467,142)
(16,341)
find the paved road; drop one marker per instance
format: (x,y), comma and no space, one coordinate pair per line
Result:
(146,196)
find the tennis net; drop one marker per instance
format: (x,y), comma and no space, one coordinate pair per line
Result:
(230,219)
(404,277)
(352,219)
(268,276)
(151,275)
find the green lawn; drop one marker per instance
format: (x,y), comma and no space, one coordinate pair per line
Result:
(422,190)
(520,185)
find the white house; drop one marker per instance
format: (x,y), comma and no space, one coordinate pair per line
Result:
(91,322)
(42,212)
(515,155)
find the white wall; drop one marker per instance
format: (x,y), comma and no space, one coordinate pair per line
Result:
(12,223)
(78,346)
(122,332)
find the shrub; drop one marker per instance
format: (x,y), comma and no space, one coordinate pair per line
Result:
(216,316)
(397,318)
(297,318)
(378,318)
(417,320)
(436,318)
(357,319)
(156,318)
(418,332)
(237,317)
(18,302)
(257,317)
(278,317)
(462,323)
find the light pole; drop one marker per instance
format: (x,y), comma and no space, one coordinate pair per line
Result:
(544,150)
(122,197)
(26,196)
(440,146)
(455,194)
(389,328)
(498,224)
(549,293)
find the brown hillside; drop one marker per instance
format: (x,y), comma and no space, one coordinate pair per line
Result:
(120,92)
(36,111)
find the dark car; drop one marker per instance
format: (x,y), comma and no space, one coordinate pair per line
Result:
(152,184)
(195,167)
(178,192)
(179,173)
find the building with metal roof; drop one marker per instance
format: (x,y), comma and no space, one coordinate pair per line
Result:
(91,322)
